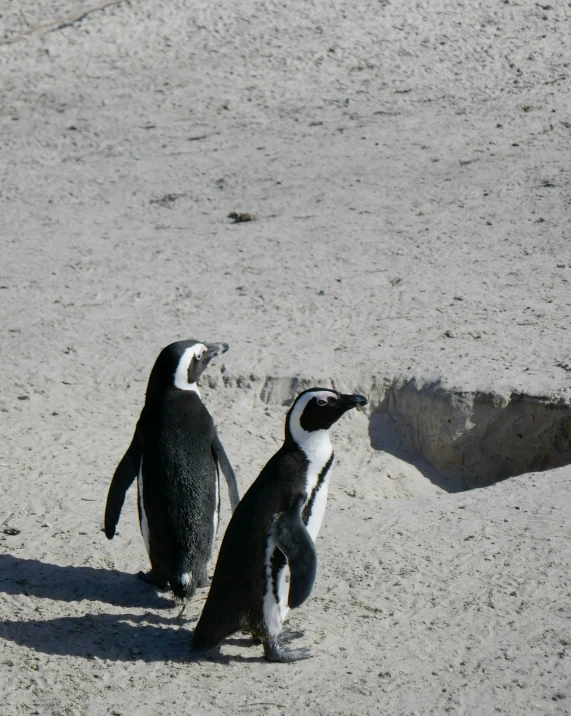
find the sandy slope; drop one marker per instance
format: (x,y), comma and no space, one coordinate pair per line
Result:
(408,167)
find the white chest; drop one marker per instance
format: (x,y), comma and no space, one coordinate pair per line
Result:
(320,455)
(317,508)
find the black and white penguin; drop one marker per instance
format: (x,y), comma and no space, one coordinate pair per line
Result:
(267,562)
(175,454)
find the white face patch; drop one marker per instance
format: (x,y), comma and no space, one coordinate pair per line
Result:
(317,447)
(181,373)
(315,444)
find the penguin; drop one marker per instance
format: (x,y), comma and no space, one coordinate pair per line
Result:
(175,455)
(267,561)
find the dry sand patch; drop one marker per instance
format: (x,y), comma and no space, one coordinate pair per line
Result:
(407,167)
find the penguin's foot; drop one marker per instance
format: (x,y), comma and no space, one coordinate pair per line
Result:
(153,579)
(273,653)
(288,635)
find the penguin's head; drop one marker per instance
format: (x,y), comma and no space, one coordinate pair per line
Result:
(181,364)
(317,409)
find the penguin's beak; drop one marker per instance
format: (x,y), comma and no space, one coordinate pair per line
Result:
(352,401)
(215,349)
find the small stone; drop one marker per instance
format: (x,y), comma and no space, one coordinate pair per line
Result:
(241,217)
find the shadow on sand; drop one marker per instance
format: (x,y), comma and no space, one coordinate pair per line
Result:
(72,584)
(119,637)
(385,435)
(149,637)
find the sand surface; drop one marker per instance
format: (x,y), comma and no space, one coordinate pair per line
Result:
(408,168)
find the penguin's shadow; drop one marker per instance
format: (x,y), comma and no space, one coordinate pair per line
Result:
(116,637)
(33,578)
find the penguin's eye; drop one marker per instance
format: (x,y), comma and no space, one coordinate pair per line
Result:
(321,401)
(200,354)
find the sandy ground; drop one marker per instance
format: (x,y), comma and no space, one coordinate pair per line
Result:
(408,169)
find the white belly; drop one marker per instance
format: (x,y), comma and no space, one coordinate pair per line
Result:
(275,609)
(216,504)
(318,509)
(316,490)
(142,515)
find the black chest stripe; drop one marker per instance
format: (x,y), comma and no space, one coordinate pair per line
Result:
(306,514)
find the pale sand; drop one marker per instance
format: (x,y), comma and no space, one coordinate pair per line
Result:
(409,170)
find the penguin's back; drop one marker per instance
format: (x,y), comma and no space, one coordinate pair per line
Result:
(179,479)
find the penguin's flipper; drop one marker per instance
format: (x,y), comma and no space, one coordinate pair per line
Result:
(127,470)
(293,539)
(222,458)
